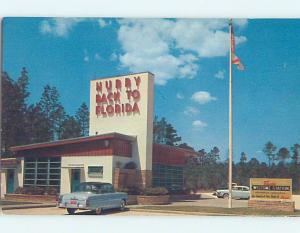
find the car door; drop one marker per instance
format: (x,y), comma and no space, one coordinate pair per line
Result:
(114,196)
(239,192)
(106,198)
(246,192)
(235,192)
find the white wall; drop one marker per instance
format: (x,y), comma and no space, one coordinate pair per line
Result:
(3,182)
(140,125)
(68,162)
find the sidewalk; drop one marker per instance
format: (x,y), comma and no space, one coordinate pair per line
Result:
(9,205)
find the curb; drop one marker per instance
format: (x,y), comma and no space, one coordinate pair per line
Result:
(181,212)
(15,207)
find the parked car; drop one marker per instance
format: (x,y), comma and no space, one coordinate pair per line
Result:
(93,196)
(238,192)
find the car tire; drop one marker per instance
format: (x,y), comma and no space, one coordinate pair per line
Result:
(123,205)
(98,211)
(71,211)
(225,195)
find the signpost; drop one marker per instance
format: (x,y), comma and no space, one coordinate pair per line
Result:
(264,188)
(271,193)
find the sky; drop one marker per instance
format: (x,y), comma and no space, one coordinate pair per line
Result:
(190,60)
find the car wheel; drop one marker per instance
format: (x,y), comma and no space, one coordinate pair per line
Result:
(98,211)
(225,195)
(71,210)
(123,204)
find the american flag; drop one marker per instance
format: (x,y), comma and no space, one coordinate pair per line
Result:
(234,59)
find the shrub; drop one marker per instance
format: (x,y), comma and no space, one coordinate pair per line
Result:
(155,191)
(32,190)
(130,165)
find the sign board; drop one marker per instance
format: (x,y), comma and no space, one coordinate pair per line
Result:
(271,188)
(124,104)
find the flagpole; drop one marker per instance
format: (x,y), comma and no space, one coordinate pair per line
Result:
(230,119)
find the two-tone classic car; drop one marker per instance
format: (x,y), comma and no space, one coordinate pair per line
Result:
(93,196)
(238,192)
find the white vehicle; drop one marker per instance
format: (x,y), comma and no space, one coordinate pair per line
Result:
(238,192)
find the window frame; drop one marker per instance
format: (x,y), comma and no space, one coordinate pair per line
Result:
(95,174)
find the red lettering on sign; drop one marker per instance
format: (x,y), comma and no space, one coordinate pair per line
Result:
(99,86)
(127,83)
(110,109)
(118,84)
(128,108)
(108,85)
(135,94)
(117,96)
(110,97)
(135,108)
(117,108)
(137,81)
(98,110)
(128,94)
(102,111)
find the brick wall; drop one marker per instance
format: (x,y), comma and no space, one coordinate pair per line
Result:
(132,178)
(288,206)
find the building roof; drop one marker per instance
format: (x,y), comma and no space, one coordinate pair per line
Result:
(74,141)
(171,155)
(121,75)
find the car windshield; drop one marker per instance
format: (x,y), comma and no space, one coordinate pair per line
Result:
(84,187)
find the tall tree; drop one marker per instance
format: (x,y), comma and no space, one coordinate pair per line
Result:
(52,109)
(269,150)
(283,154)
(37,126)
(295,150)
(243,158)
(164,132)
(14,95)
(82,117)
(70,128)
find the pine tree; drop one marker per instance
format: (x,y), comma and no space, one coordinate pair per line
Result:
(53,110)
(14,96)
(164,132)
(269,150)
(70,128)
(82,117)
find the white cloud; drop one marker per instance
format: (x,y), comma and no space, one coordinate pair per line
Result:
(60,27)
(113,57)
(86,57)
(102,23)
(191,111)
(179,96)
(198,124)
(203,97)
(149,45)
(220,74)
(97,56)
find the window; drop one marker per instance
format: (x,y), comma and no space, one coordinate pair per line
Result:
(95,171)
(107,188)
(42,172)
(167,176)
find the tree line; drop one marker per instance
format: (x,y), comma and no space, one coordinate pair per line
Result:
(207,171)
(46,120)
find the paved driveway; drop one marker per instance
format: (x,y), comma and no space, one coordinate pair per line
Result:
(57,211)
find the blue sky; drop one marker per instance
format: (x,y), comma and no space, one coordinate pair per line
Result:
(190,61)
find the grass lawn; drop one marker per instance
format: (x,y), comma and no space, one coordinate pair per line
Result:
(220,211)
